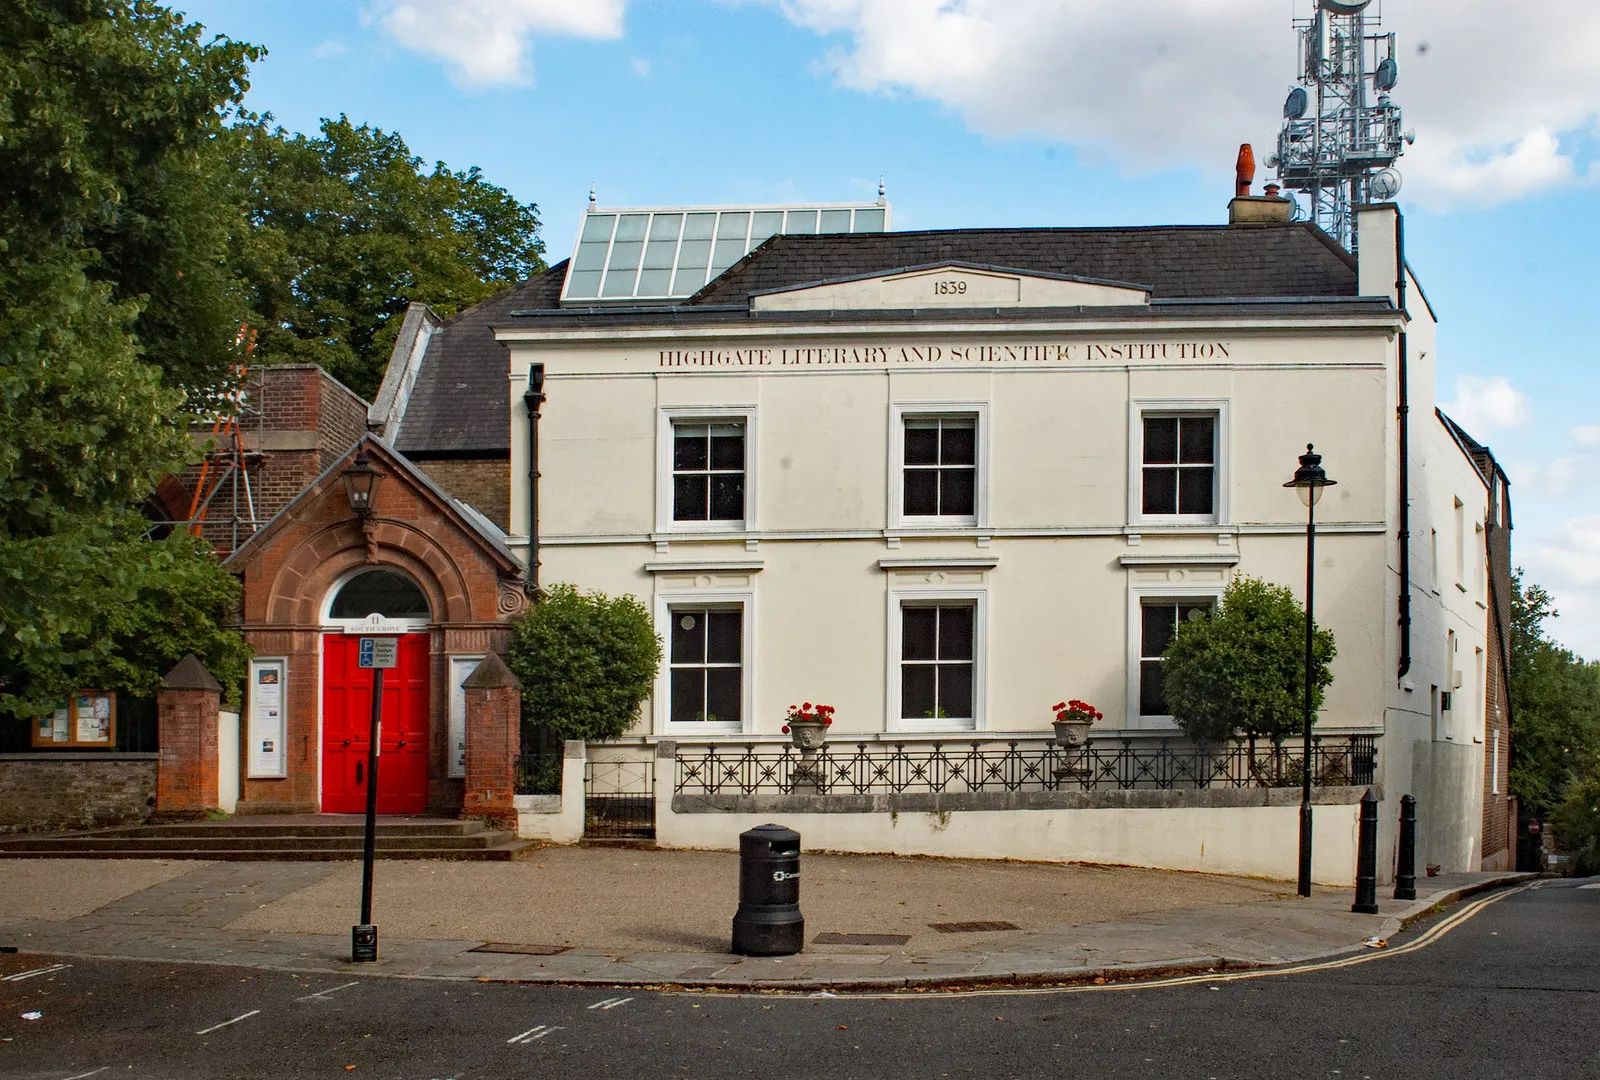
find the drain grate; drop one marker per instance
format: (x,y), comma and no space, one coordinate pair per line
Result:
(519,949)
(861,939)
(972,927)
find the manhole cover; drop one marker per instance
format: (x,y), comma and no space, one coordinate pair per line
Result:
(519,949)
(861,939)
(972,927)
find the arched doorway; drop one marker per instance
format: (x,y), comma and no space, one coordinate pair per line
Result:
(375,601)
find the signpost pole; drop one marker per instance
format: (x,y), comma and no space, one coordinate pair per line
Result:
(376,653)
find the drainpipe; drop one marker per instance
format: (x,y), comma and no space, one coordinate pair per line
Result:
(533,399)
(1403,415)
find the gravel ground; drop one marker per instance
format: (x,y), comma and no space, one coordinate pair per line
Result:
(54,890)
(627,900)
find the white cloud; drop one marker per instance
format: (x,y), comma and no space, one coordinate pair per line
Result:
(330,49)
(1566,561)
(1488,401)
(485,42)
(1498,93)
(1587,435)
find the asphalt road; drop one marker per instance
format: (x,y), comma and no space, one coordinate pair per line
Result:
(1512,991)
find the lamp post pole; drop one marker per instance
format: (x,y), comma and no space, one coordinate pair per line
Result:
(1308,482)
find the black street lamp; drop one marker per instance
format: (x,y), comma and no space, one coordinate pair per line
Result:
(361,484)
(1308,482)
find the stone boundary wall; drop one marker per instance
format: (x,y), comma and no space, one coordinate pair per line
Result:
(68,791)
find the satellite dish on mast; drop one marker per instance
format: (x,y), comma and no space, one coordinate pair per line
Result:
(1385,184)
(1343,7)
(1294,106)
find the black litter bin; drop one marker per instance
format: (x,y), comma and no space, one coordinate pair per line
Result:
(768,922)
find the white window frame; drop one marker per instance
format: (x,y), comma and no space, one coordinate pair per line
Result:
(459,668)
(666,420)
(979,598)
(1138,409)
(1138,595)
(899,412)
(724,599)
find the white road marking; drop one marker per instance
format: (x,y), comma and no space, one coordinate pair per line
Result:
(325,993)
(538,1031)
(20,975)
(91,1072)
(225,1023)
(610,1003)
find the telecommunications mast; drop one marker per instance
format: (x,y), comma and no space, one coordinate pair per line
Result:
(1341,133)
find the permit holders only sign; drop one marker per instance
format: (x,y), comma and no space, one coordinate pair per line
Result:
(379,652)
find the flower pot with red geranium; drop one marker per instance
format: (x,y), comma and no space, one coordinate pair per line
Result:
(807,725)
(1072,722)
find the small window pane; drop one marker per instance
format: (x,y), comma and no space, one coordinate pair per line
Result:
(1156,631)
(1160,440)
(955,690)
(1152,691)
(1192,611)
(835,221)
(727,496)
(689,280)
(694,255)
(727,448)
(658,254)
(1194,491)
(590,257)
(1160,491)
(958,492)
(921,492)
(582,284)
(689,447)
(654,282)
(726,253)
(764,224)
(958,443)
(688,637)
(869,221)
(733,227)
(722,695)
(688,695)
(689,497)
(955,633)
(699,226)
(597,227)
(917,682)
(922,443)
(631,227)
(625,255)
(666,226)
(1197,441)
(380,592)
(918,633)
(619,282)
(723,632)
(801,221)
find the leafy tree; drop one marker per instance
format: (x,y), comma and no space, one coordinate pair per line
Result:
(347,228)
(108,112)
(112,152)
(1242,669)
(586,661)
(1555,706)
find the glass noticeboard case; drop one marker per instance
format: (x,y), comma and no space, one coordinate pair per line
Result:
(87,718)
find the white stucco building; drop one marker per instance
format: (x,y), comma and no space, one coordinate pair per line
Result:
(943,480)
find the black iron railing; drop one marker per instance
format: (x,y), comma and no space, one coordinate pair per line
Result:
(1102,764)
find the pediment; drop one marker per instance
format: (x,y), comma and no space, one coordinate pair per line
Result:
(952,285)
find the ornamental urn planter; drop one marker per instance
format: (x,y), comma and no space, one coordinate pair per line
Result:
(808,737)
(1073,737)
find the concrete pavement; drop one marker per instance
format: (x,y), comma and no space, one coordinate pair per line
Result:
(639,917)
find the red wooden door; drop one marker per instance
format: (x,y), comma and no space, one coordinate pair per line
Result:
(347,720)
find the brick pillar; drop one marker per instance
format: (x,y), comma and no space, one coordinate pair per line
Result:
(186,772)
(494,740)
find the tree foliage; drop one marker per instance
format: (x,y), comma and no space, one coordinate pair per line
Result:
(1242,669)
(107,114)
(586,661)
(347,227)
(1555,707)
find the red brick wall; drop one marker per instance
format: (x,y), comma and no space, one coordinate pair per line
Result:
(493,743)
(186,772)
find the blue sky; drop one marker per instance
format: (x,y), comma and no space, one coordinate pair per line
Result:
(1028,112)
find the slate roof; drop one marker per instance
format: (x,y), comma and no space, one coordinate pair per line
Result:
(459,406)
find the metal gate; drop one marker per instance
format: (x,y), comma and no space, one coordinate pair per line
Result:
(619,799)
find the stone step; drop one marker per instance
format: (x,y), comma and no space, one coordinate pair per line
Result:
(506,852)
(68,846)
(268,827)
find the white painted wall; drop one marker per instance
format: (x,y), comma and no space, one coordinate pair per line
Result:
(557,818)
(227,760)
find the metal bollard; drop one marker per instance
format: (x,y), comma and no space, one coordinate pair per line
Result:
(1405,871)
(1367,857)
(768,922)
